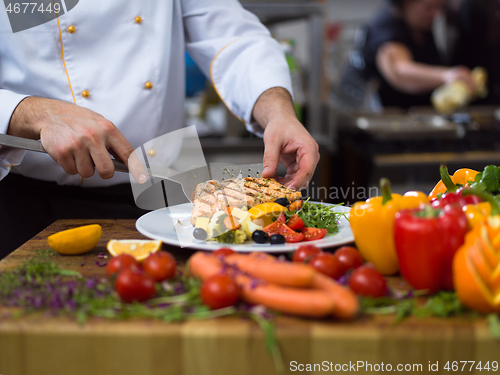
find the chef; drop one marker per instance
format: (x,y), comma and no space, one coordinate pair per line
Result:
(103,78)
(399,52)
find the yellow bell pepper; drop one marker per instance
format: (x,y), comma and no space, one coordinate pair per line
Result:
(477,212)
(372,223)
(459,178)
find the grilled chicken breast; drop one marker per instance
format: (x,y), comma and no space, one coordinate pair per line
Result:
(212,196)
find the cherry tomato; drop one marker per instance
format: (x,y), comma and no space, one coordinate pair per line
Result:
(349,258)
(133,284)
(327,264)
(368,282)
(295,222)
(219,291)
(290,235)
(224,252)
(275,227)
(160,265)
(118,262)
(304,253)
(311,234)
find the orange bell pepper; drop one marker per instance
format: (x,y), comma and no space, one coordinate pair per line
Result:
(372,223)
(476,265)
(460,178)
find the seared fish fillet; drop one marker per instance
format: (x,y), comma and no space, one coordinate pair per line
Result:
(214,195)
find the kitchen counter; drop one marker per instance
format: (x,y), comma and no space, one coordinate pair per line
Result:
(40,344)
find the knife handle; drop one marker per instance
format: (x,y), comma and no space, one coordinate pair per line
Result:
(120,166)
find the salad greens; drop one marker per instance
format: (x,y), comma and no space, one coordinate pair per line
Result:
(317,215)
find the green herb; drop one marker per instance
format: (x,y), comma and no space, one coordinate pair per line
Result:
(271,343)
(442,304)
(494,325)
(317,215)
(488,180)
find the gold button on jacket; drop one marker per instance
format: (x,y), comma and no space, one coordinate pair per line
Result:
(148,85)
(71,29)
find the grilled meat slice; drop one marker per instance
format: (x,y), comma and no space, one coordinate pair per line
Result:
(212,196)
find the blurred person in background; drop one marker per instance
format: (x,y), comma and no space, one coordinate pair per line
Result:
(398,50)
(479,42)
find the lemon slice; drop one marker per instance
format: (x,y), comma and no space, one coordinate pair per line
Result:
(139,249)
(76,240)
(265,212)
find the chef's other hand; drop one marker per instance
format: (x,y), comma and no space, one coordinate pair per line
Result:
(285,139)
(461,73)
(77,138)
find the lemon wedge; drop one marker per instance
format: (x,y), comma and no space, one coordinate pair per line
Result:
(139,249)
(76,240)
(265,212)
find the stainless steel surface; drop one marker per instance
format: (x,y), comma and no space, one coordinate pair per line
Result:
(387,127)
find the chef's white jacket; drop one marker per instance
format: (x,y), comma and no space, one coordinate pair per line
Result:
(125,61)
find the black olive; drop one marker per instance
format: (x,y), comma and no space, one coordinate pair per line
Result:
(283,201)
(277,239)
(259,236)
(200,234)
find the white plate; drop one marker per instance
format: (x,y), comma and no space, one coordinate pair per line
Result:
(172,226)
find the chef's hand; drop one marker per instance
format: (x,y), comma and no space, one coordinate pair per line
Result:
(77,138)
(285,139)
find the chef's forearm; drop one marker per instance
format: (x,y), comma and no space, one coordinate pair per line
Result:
(273,103)
(21,123)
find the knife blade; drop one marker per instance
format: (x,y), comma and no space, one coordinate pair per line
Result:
(33,145)
(188,179)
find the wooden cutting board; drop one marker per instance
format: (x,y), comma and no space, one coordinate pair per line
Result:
(38,344)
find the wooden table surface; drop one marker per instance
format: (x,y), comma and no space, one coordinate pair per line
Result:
(38,344)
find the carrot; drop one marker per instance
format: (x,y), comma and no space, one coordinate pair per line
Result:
(346,303)
(204,265)
(294,206)
(303,302)
(324,297)
(231,222)
(270,269)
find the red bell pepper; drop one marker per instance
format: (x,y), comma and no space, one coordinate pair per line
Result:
(454,194)
(426,240)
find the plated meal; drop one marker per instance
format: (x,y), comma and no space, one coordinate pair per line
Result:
(259,209)
(247,215)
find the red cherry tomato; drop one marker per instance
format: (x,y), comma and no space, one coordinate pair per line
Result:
(368,282)
(160,265)
(295,222)
(133,284)
(118,262)
(219,291)
(349,258)
(275,227)
(304,253)
(311,234)
(290,235)
(224,252)
(327,264)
